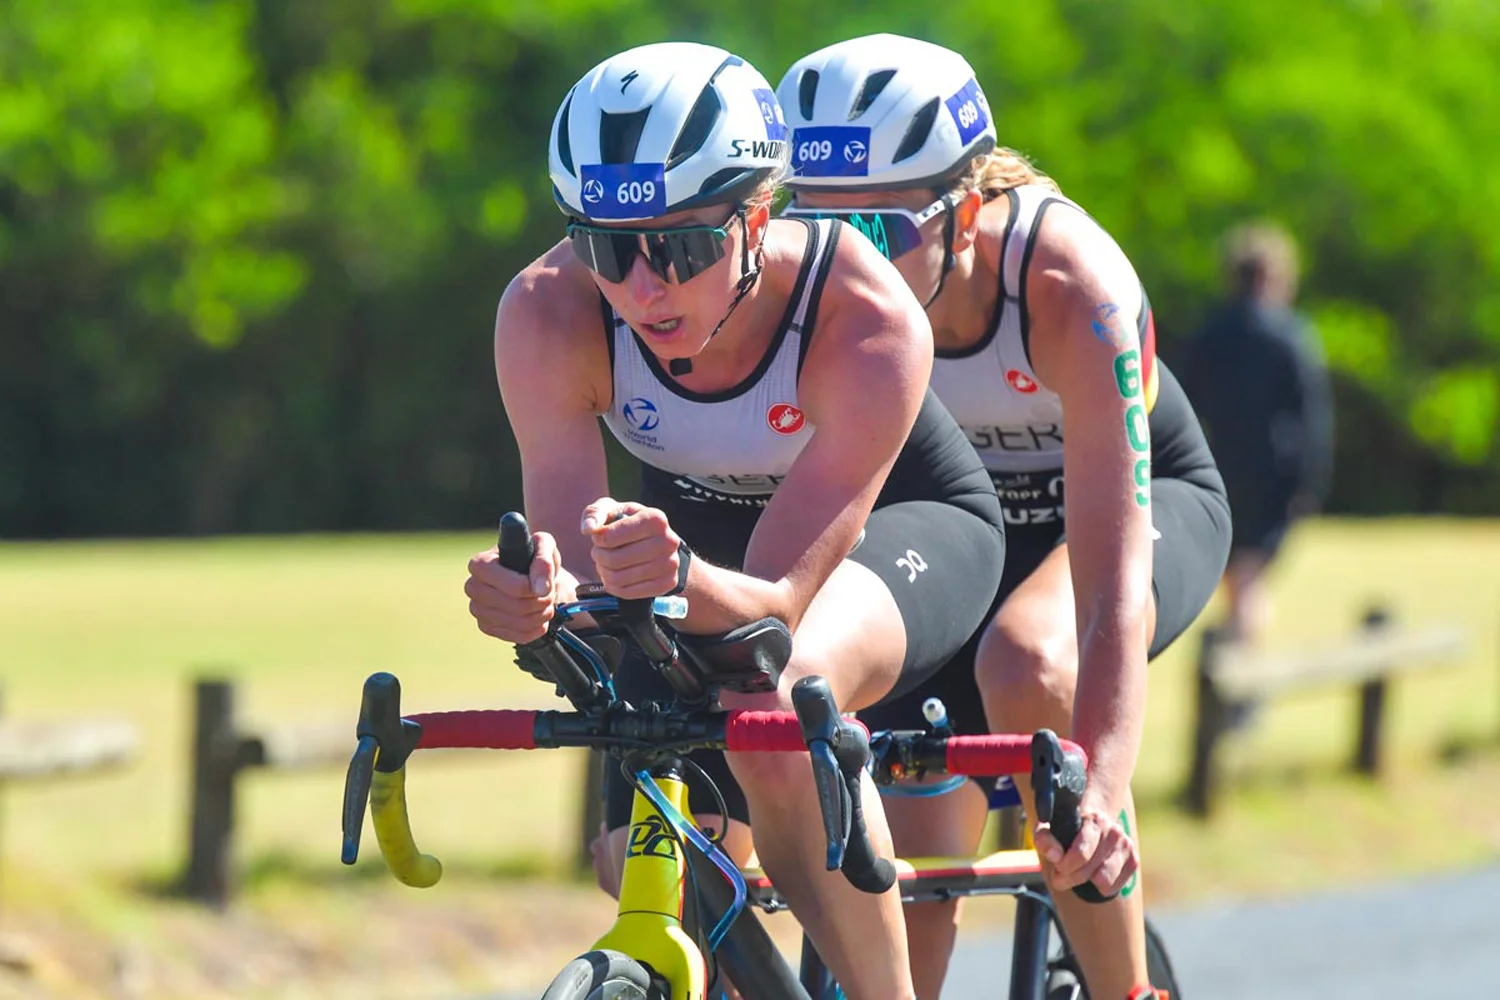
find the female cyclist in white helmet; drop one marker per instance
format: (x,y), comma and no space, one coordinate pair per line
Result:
(771,378)
(1046,357)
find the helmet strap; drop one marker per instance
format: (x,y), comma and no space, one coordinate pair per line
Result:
(748,277)
(949,260)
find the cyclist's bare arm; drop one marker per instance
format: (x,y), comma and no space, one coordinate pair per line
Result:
(861,387)
(552,364)
(1084,298)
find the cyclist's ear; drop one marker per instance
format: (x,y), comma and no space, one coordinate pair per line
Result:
(757,217)
(966,220)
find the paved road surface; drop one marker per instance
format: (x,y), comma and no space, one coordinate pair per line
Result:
(1435,938)
(1419,940)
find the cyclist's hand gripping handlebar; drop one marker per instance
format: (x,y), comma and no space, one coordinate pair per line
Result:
(377,774)
(517,549)
(839,750)
(1057,781)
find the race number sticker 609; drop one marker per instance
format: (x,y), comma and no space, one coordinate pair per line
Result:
(623,190)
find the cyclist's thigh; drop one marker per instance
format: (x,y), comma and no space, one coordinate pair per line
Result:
(942,567)
(1189,557)
(954,685)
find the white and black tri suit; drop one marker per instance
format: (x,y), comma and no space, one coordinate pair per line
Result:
(712,461)
(1015,423)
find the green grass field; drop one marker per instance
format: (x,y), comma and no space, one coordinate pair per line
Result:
(122,628)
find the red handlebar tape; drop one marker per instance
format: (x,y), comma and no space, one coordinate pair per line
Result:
(1008,753)
(496,729)
(509,729)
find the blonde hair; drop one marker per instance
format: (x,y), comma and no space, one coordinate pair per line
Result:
(995,172)
(767,192)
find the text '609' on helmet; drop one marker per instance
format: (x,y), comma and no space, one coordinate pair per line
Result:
(883,112)
(662,128)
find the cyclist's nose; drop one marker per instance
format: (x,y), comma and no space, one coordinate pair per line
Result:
(643,285)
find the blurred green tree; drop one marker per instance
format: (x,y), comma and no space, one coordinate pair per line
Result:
(250,250)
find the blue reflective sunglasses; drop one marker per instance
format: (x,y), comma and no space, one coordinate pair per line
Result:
(894,231)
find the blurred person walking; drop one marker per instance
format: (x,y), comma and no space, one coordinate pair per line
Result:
(1257,379)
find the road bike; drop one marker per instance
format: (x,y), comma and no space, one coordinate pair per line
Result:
(684,906)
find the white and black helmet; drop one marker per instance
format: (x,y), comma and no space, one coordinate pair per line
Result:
(661,128)
(883,112)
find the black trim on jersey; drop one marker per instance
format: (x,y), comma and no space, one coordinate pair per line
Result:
(1036,229)
(809,254)
(1143,320)
(955,353)
(608,313)
(825,265)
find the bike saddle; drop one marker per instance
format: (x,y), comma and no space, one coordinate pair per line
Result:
(748,659)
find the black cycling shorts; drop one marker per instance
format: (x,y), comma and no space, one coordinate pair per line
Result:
(1191,515)
(942,565)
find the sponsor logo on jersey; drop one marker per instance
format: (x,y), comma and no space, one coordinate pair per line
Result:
(1022,437)
(784,418)
(1020,381)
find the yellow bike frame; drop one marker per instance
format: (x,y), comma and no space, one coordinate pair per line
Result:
(649,925)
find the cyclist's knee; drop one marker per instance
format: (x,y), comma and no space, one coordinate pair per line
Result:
(764,777)
(1027,668)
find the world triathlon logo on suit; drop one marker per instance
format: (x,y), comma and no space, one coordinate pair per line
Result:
(640,413)
(641,418)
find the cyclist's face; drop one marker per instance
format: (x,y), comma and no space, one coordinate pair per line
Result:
(920,266)
(675,318)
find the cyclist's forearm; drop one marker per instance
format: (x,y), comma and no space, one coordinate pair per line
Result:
(721,599)
(1110,703)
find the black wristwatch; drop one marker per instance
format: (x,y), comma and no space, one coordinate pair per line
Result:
(684,559)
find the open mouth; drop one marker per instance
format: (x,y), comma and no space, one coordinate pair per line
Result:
(665,327)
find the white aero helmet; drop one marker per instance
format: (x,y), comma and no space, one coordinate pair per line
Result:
(661,128)
(883,112)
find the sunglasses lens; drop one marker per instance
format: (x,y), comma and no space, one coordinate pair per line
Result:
(691,252)
(672,255)
(892,233)
(607,254)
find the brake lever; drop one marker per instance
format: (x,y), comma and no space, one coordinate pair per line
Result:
(1058,781)
(839,752)
(357,796)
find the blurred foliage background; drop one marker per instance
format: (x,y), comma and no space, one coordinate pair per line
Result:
(250,250)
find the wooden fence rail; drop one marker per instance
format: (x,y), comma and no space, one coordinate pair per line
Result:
(1232,679)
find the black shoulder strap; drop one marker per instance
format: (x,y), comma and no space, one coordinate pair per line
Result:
(822,269)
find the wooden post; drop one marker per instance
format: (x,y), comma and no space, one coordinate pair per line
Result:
(1371,702)
(210,868)
(592,813)
(1210,726)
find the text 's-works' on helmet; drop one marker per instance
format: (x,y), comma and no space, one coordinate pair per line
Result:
(663,128)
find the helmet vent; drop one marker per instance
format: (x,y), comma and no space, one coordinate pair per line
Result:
(873,85)
(807,92)
(700,122)
(917,132)
(728,62)
(564,145)
(722,181)
(620,135)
